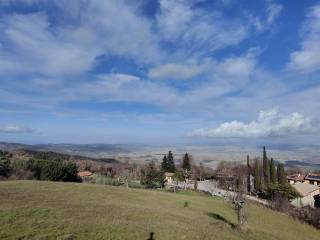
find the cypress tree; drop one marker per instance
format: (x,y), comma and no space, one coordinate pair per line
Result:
(273,176)
(171,166)
(282,178)
(248,175)
(266,168)
(164,164)
(186,162)
(257,180)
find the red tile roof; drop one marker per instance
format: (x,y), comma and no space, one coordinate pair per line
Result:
(84,174)
(296,177)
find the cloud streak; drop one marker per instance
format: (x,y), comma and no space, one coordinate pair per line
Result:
(15,129)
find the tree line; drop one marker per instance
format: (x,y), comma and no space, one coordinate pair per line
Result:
(42,166)
(270,179)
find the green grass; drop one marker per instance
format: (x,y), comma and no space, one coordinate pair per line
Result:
(48,210)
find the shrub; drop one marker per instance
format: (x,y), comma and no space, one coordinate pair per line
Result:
(53,170)
(308,215)
(4,163)
(100,179)
(285,191)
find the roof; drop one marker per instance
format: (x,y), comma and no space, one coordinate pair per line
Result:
(168,174)
(84,174)
(305,188)
(296,177)
(313,176)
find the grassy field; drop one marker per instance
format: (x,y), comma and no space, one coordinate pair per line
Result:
(48,210)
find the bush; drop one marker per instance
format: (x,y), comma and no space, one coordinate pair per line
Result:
(100,179)
(53,170)
(308,215)
(4,163)
(278,190)
(151,177)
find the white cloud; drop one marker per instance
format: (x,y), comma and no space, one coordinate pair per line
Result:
(269,124)
(31,44)
(240,67)
(307,59)
(175,71)
(197,31)
(124,88)
(232,67)
(13,128)
(273,12)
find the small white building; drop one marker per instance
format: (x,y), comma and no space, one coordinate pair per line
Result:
(307,192)
(168,176)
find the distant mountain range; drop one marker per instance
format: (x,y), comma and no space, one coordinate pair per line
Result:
(90,150)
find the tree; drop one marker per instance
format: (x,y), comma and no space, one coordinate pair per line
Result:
(248,174)
(266,168)
(257,180)
(70,172)
(286,191)
(4,163)
(164,164)
(171,166)
(186,162)
(150,176)
(195,187)
(201,171)
(54,170)
(281,174)
(273,177)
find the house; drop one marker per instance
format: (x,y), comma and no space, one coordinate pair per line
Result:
(313,178)
(308,192)
(84,174)
(296,178)
(168,176)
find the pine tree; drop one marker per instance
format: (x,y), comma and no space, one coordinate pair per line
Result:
(164,164)
(171,166)
(282,178)
(266,168)
(186,162)
(273,176)
(257,180)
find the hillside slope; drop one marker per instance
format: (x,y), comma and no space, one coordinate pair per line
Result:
(48,210)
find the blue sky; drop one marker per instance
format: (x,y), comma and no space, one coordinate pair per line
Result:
(162,71)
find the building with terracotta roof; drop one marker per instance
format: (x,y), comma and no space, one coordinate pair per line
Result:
(296,178)
(311,178)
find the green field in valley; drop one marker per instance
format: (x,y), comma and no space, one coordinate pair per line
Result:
(50,210)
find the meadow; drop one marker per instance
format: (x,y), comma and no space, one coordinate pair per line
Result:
(54,210)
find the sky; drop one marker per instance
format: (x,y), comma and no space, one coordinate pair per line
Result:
(160,71)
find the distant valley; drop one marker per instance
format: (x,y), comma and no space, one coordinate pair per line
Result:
(307,157)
